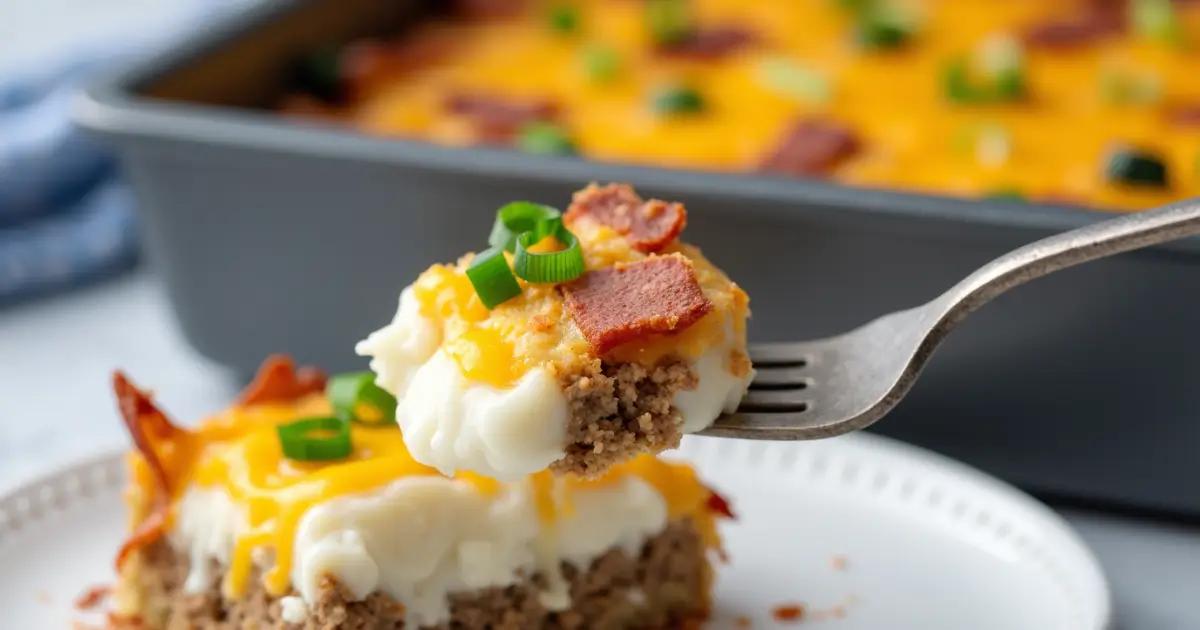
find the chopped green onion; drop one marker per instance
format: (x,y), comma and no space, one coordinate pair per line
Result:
(1133,167)
(795,80)
(991,144)
(1157,20)
(561,266)
(564,18)
(601,63)
(315,439)
(356,398)
(1003,74)
(1123,88)
(493,280)
(956,82)
(854,5)
(669,21)
(1003,61)
(543,138)
(678,100)
(883,27)
(319,74)
(517,218)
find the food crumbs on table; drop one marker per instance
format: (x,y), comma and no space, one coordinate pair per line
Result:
(788,612)
(742,622)
(838,612)
(93,597)
(838,563)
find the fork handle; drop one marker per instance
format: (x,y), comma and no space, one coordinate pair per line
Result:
(1098,240)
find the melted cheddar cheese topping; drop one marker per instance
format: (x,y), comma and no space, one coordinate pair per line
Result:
(534,329)
(237,452)
(894,99)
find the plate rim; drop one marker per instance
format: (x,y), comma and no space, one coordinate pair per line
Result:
(57,488)
(847,453)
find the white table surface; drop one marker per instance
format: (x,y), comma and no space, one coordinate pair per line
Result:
(57,354)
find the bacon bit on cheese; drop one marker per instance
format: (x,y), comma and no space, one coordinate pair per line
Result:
(278,380)
(717,504)
(711,44)
(813,147)
(497,119)
(788,612)
(648,226)
(147,426)
(1187,115)
(1097,19)
(93,597)
(625,302)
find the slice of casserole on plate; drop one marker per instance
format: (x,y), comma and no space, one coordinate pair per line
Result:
(301,508)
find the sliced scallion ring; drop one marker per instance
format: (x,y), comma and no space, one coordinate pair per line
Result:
(356,398)
(795,80)
(601,63)
(515,219)
(315,439)
(542,138)
(493,280)
(561,266)
(1157,20)
(669,21)
(563,18)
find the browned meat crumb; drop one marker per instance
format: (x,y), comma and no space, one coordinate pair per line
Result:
(788,613)
(665,585)
(619,411)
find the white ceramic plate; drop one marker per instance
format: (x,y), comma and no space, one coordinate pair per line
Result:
(927,544)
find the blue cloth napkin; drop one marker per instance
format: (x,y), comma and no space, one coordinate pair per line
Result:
(66,215)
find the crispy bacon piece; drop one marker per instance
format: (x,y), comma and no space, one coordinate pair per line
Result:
(1097,19)
(813,147)
(147,426)
(497,119)
(711,44)
(1186,115)
(717,504)
(278,380)
(649,226)
(625,302)
(367,63)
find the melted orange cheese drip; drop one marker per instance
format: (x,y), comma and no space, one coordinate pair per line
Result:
(238,452)
(498,347)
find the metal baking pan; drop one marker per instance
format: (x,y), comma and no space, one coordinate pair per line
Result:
(273,236)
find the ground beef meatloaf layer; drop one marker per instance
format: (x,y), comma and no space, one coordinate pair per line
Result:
(663,586)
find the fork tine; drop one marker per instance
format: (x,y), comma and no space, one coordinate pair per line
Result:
(780,377)
(780,354)
(769,426)
(774,400)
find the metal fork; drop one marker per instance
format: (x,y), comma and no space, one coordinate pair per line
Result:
(818,389)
